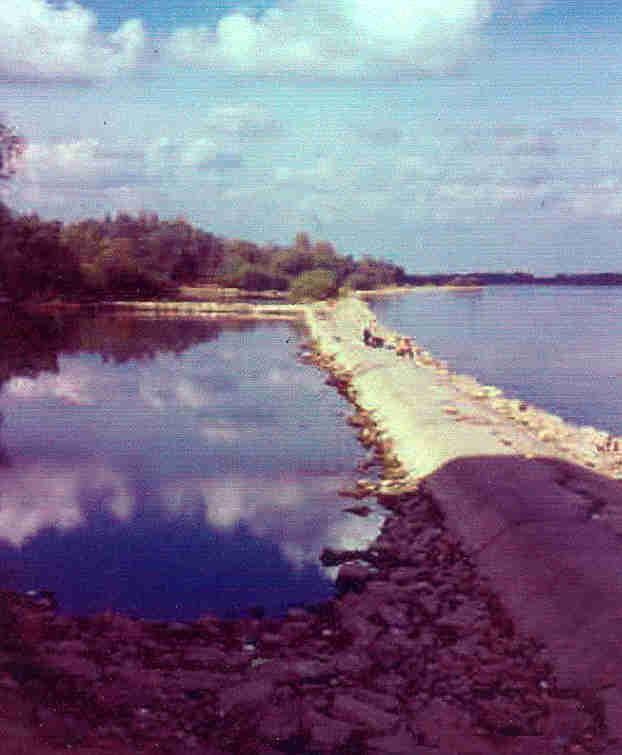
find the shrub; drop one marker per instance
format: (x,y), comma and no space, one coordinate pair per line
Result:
(254,278)
(313,284)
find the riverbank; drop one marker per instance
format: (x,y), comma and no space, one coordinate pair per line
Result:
(533,500)
(166,308)
(421,652)
(424,288)
(454,414)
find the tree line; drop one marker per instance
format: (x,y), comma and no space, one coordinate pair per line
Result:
(136,256)
(130,256)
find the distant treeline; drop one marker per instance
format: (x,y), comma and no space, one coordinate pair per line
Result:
(143,256)
(517,278)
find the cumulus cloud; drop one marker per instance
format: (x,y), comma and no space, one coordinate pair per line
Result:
(42,40)
(167,391)
(81,163)
(76,385)
(43,495)
(345,38)
(244,120)
(297,514)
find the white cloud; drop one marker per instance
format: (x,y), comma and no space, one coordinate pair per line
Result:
(299,515)
(243,120)
(77,160)
(41,40)
(345,38)
(40,495)
(74,386)
(168,390)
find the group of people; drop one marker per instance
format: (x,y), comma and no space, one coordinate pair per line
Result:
(403,347)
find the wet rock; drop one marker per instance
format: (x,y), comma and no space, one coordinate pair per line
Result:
(330,557)
(567,718)
(531,746)
(439,717)
(504,716)
(75,666)
(464,618)
(327,733)
(352,577)
(245,696)
(361,631)
(310,670)
(60,729)
(393,616)
(404,575)
(270,640)
(353,664)
(280,723)
(294,631)
(190,681)
(369,717)
(402,743)
(205,656)
(378,699)
(362,511)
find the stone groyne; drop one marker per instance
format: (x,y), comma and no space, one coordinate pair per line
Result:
(434,415)
(534,501)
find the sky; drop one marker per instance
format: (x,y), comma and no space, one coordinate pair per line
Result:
(443,135)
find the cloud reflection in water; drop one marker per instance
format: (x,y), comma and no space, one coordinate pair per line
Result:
(228,445)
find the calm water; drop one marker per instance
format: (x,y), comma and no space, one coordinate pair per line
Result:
(167,468)
(560,348)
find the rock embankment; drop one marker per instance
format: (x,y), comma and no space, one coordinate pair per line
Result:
(434,415)
(415,656)
(419,653)
(544,529)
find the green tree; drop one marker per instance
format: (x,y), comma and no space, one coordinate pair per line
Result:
(313,284)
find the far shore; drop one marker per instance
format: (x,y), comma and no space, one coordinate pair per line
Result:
(378,293)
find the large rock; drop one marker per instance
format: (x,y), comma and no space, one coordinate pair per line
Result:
(364,715)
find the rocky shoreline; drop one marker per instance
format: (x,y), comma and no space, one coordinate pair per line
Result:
(514,424)
(416,654)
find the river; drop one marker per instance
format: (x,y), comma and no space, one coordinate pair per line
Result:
(557,347)
(169,467)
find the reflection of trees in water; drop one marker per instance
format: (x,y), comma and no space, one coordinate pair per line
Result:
(128,337)
(31,343)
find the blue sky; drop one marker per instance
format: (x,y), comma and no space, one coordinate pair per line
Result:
(162,15)
(441,134)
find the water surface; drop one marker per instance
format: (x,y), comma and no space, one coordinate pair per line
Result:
(168,467)
(558,347)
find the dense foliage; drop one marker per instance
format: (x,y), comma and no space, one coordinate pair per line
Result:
(313,284)
(143,256)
